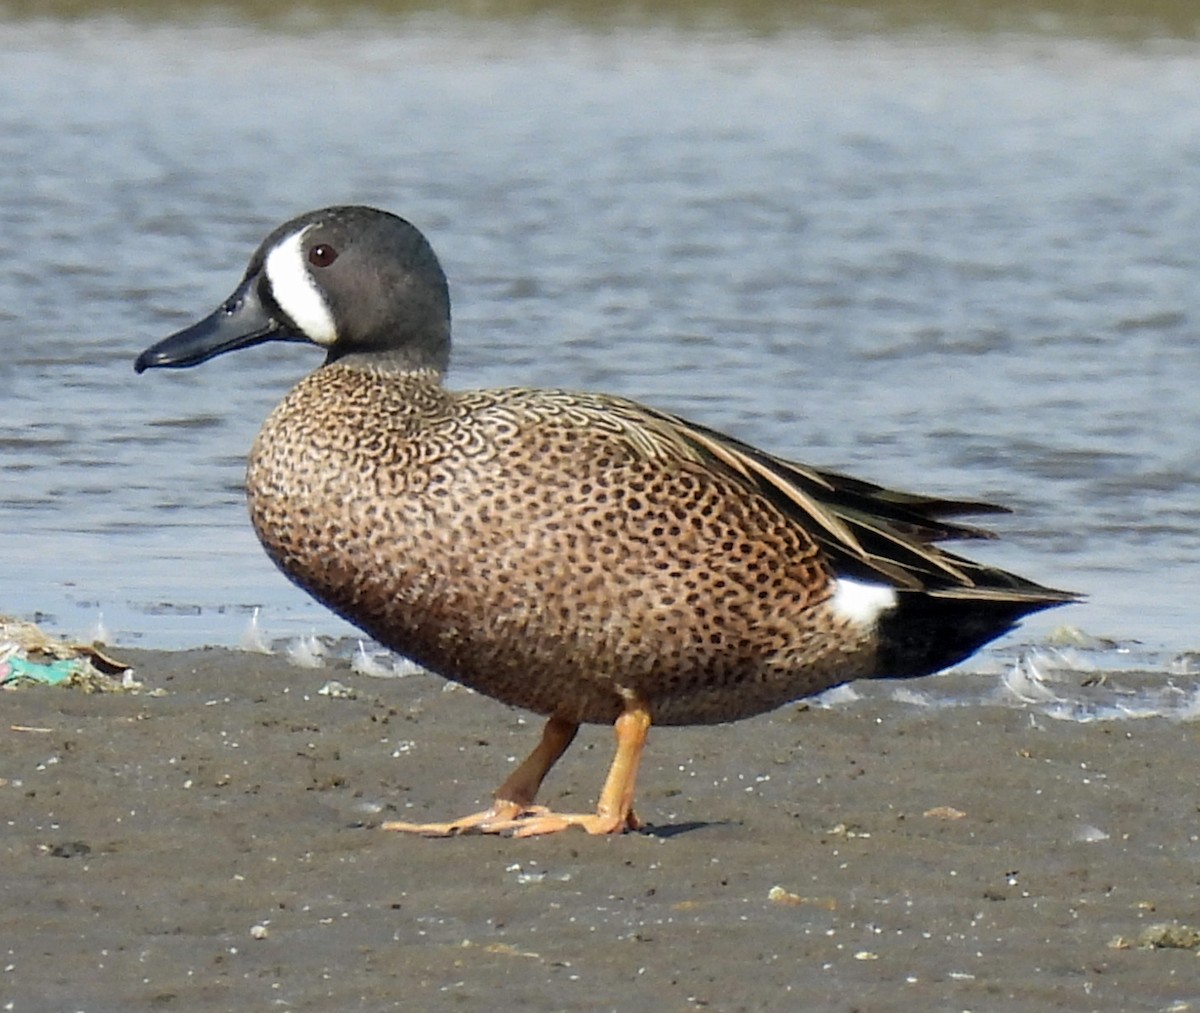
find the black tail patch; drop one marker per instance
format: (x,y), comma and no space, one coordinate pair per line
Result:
(926,633)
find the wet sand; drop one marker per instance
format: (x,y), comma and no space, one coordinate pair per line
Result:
(216,847)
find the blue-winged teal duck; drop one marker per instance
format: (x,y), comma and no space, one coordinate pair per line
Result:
(575,554)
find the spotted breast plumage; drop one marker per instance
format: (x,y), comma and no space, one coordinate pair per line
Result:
(579,555)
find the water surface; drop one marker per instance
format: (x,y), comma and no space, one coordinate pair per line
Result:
(941,258)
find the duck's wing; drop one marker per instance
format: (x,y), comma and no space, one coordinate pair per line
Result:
(869,532)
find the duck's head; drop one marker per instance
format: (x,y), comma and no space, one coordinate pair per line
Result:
(355,280)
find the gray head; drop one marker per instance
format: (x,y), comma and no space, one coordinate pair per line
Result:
(357,281)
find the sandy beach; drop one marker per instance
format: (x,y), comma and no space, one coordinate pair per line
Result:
(211,842)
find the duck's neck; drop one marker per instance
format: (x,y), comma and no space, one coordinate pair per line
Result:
(393,361)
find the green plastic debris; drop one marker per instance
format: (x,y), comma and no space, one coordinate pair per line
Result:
(52,673)
(30,657)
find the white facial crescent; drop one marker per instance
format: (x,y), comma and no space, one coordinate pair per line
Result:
(295,291)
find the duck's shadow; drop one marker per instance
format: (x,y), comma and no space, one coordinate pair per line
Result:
(668,830)
(664,831)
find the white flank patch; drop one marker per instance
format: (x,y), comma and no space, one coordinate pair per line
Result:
(296,292)
(861,603)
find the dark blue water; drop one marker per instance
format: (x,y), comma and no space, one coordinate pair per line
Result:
(964,265)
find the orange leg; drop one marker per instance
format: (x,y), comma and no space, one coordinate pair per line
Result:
(614,813)
(514,812)
(514,798)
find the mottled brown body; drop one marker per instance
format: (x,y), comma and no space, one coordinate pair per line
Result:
(557,551)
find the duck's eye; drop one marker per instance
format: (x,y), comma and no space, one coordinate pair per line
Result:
(322,255)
